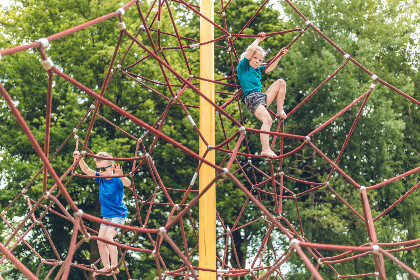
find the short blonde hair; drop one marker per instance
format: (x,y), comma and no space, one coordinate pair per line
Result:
(104,154)
(259,48)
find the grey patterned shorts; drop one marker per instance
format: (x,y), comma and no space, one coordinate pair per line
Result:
(255,99)
(115,220)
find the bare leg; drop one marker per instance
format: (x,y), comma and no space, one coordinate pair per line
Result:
(103,250)
(112,249)
(277,91)
(262,114)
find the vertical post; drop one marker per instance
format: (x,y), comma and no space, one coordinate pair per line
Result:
(207,203)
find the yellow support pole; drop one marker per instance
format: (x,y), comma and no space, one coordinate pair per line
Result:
(207,203)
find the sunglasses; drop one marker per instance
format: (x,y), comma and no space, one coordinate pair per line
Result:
(103,169)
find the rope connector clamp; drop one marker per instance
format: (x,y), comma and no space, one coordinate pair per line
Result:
(294,241)
(92,107)
(194,46)
(79,213)
(372,86)
(362,188)
(121,11)
(308,22)
(347,56)
(46,195)
(121,26)
(47,64)
(375,249)
(374,77)
(44,42)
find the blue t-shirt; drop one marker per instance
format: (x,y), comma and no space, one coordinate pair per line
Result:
(249,78)
(111,194)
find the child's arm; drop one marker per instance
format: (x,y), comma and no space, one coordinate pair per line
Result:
(118,171)
(251,49)
(273,65)
(85,168)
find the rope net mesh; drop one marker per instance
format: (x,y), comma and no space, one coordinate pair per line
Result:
(164,215)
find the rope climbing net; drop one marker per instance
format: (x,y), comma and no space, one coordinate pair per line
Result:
(264,183)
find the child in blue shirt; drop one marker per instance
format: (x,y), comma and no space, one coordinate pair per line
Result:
(111,194)
(249,74)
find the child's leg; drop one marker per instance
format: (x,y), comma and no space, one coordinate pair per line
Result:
(277,91)
(112,249)
(262,114)
(103,250)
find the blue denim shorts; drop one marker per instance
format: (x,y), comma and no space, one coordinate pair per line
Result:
(255,99)
(115,220)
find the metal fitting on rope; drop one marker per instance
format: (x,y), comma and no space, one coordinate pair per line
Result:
(25,196)
(375,249)
(191,120)
(372,86)
(242,128)
(225,171)
(83,153)
(76,137)
(23,191)
(320,261)
(75,130)
(142,27)
(376,273)
(176,206)
(307,139)
(193,179)
(294,241)
(46,195)
(147,155)
(249,161)
(308,22)
(121,25)
(281,173)
(338,276)
(221,271)
(92,107)
(362,188)
(327,183)
(154,253)
(47,64)
(294,195)
(191,76)
(121,11)
(79,213)
(87,238)
(374,77)
(347,56)
(194,46)
(3,213)
(44,42)
(162,230)
(223,14)
(131,174)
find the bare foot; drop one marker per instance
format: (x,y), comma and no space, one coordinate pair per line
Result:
(268,153)
(282,114)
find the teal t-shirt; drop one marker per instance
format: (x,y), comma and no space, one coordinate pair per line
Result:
(249,78)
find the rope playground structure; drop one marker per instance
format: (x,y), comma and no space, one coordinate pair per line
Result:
(263,181)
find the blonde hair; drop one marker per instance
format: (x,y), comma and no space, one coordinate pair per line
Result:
(260,49)
(104,154)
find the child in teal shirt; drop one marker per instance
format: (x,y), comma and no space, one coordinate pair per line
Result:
(249,72)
